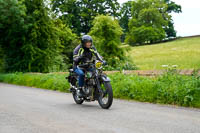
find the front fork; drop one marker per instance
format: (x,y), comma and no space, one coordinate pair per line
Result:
(102,79)
(98,82)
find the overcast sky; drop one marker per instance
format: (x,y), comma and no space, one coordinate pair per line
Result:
(186,23)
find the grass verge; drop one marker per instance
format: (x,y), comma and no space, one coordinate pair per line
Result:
(45,81)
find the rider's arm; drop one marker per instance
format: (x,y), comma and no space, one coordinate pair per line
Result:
(99,57)
(77,54)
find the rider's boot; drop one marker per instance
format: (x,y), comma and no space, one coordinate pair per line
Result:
(80,91)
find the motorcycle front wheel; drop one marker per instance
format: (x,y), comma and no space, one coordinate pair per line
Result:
(105,98)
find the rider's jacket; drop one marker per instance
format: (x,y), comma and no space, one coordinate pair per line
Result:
(82,54)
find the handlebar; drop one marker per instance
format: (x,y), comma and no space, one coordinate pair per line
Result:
(85,65)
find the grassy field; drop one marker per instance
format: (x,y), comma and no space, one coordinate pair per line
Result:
(184,52)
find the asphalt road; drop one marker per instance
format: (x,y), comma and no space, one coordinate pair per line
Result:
(33,110)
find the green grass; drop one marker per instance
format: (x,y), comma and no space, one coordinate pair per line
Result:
(45,81)
(167,89)
(184,52)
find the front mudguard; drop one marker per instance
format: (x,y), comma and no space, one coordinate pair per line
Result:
(104,78)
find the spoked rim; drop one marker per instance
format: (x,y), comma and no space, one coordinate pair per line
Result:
(104,97)
(77,99)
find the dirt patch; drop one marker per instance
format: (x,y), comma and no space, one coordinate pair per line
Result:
(154,72)
(145,72)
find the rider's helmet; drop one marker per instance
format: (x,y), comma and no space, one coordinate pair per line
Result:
(85,39)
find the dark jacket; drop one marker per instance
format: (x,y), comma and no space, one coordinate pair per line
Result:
(81,54)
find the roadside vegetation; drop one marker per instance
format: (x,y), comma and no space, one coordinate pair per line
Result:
(45,81)
(169,88)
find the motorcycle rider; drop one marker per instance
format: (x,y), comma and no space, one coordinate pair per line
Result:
(82,53)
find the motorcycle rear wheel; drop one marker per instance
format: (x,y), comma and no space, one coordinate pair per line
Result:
(77,99)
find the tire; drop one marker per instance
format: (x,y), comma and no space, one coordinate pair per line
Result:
(106,88)
(77,99)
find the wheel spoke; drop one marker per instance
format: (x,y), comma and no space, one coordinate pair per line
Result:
(106,95)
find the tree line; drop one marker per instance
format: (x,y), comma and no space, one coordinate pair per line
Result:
(40,35)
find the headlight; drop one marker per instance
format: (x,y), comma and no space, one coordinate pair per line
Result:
(98,65)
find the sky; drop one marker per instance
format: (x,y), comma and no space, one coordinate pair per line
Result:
(186,23)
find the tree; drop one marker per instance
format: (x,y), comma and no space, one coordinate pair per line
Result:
(79,14)
(46,41)
(125,12)
(125,15)
(68,41)
(172,7)
(30,39)
(12,33)
(106,33)
(149,17)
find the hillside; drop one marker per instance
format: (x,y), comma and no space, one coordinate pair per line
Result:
(184,52)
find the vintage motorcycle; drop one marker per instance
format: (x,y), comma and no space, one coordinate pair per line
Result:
(96,85)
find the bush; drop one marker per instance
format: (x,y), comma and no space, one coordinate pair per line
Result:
(168,89)
(45,81)
(106,33)
(126,64)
